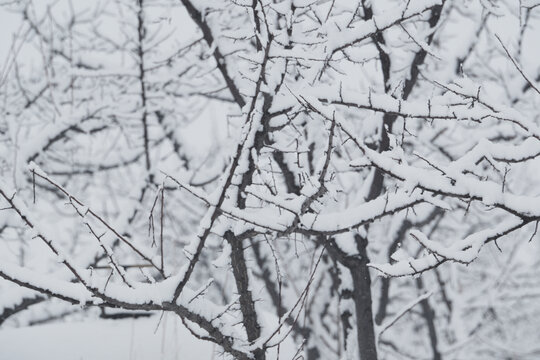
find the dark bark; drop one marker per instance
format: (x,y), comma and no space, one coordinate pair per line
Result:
(288,175)
(360,294)
(247,305)
(363,303)
(24,304)
(299,331)
(429,316)
(406,225)
(389,119)
(141,33)
(197,17)
(123,315)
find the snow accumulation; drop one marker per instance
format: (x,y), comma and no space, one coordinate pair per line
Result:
(129,339)
(156,338)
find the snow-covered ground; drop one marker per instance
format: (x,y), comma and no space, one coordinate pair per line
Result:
(129,339)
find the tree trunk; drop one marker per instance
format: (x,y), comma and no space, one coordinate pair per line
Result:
(367,346)
(360,294)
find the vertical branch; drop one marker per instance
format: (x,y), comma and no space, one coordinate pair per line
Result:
(363,303)
(141,33)
(360,294)
(247,305)
(161,219)
(429,315)
(406,225)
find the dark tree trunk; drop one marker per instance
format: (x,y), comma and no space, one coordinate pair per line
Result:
(360,294)
(367,346)
(247,305)
(429,316)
